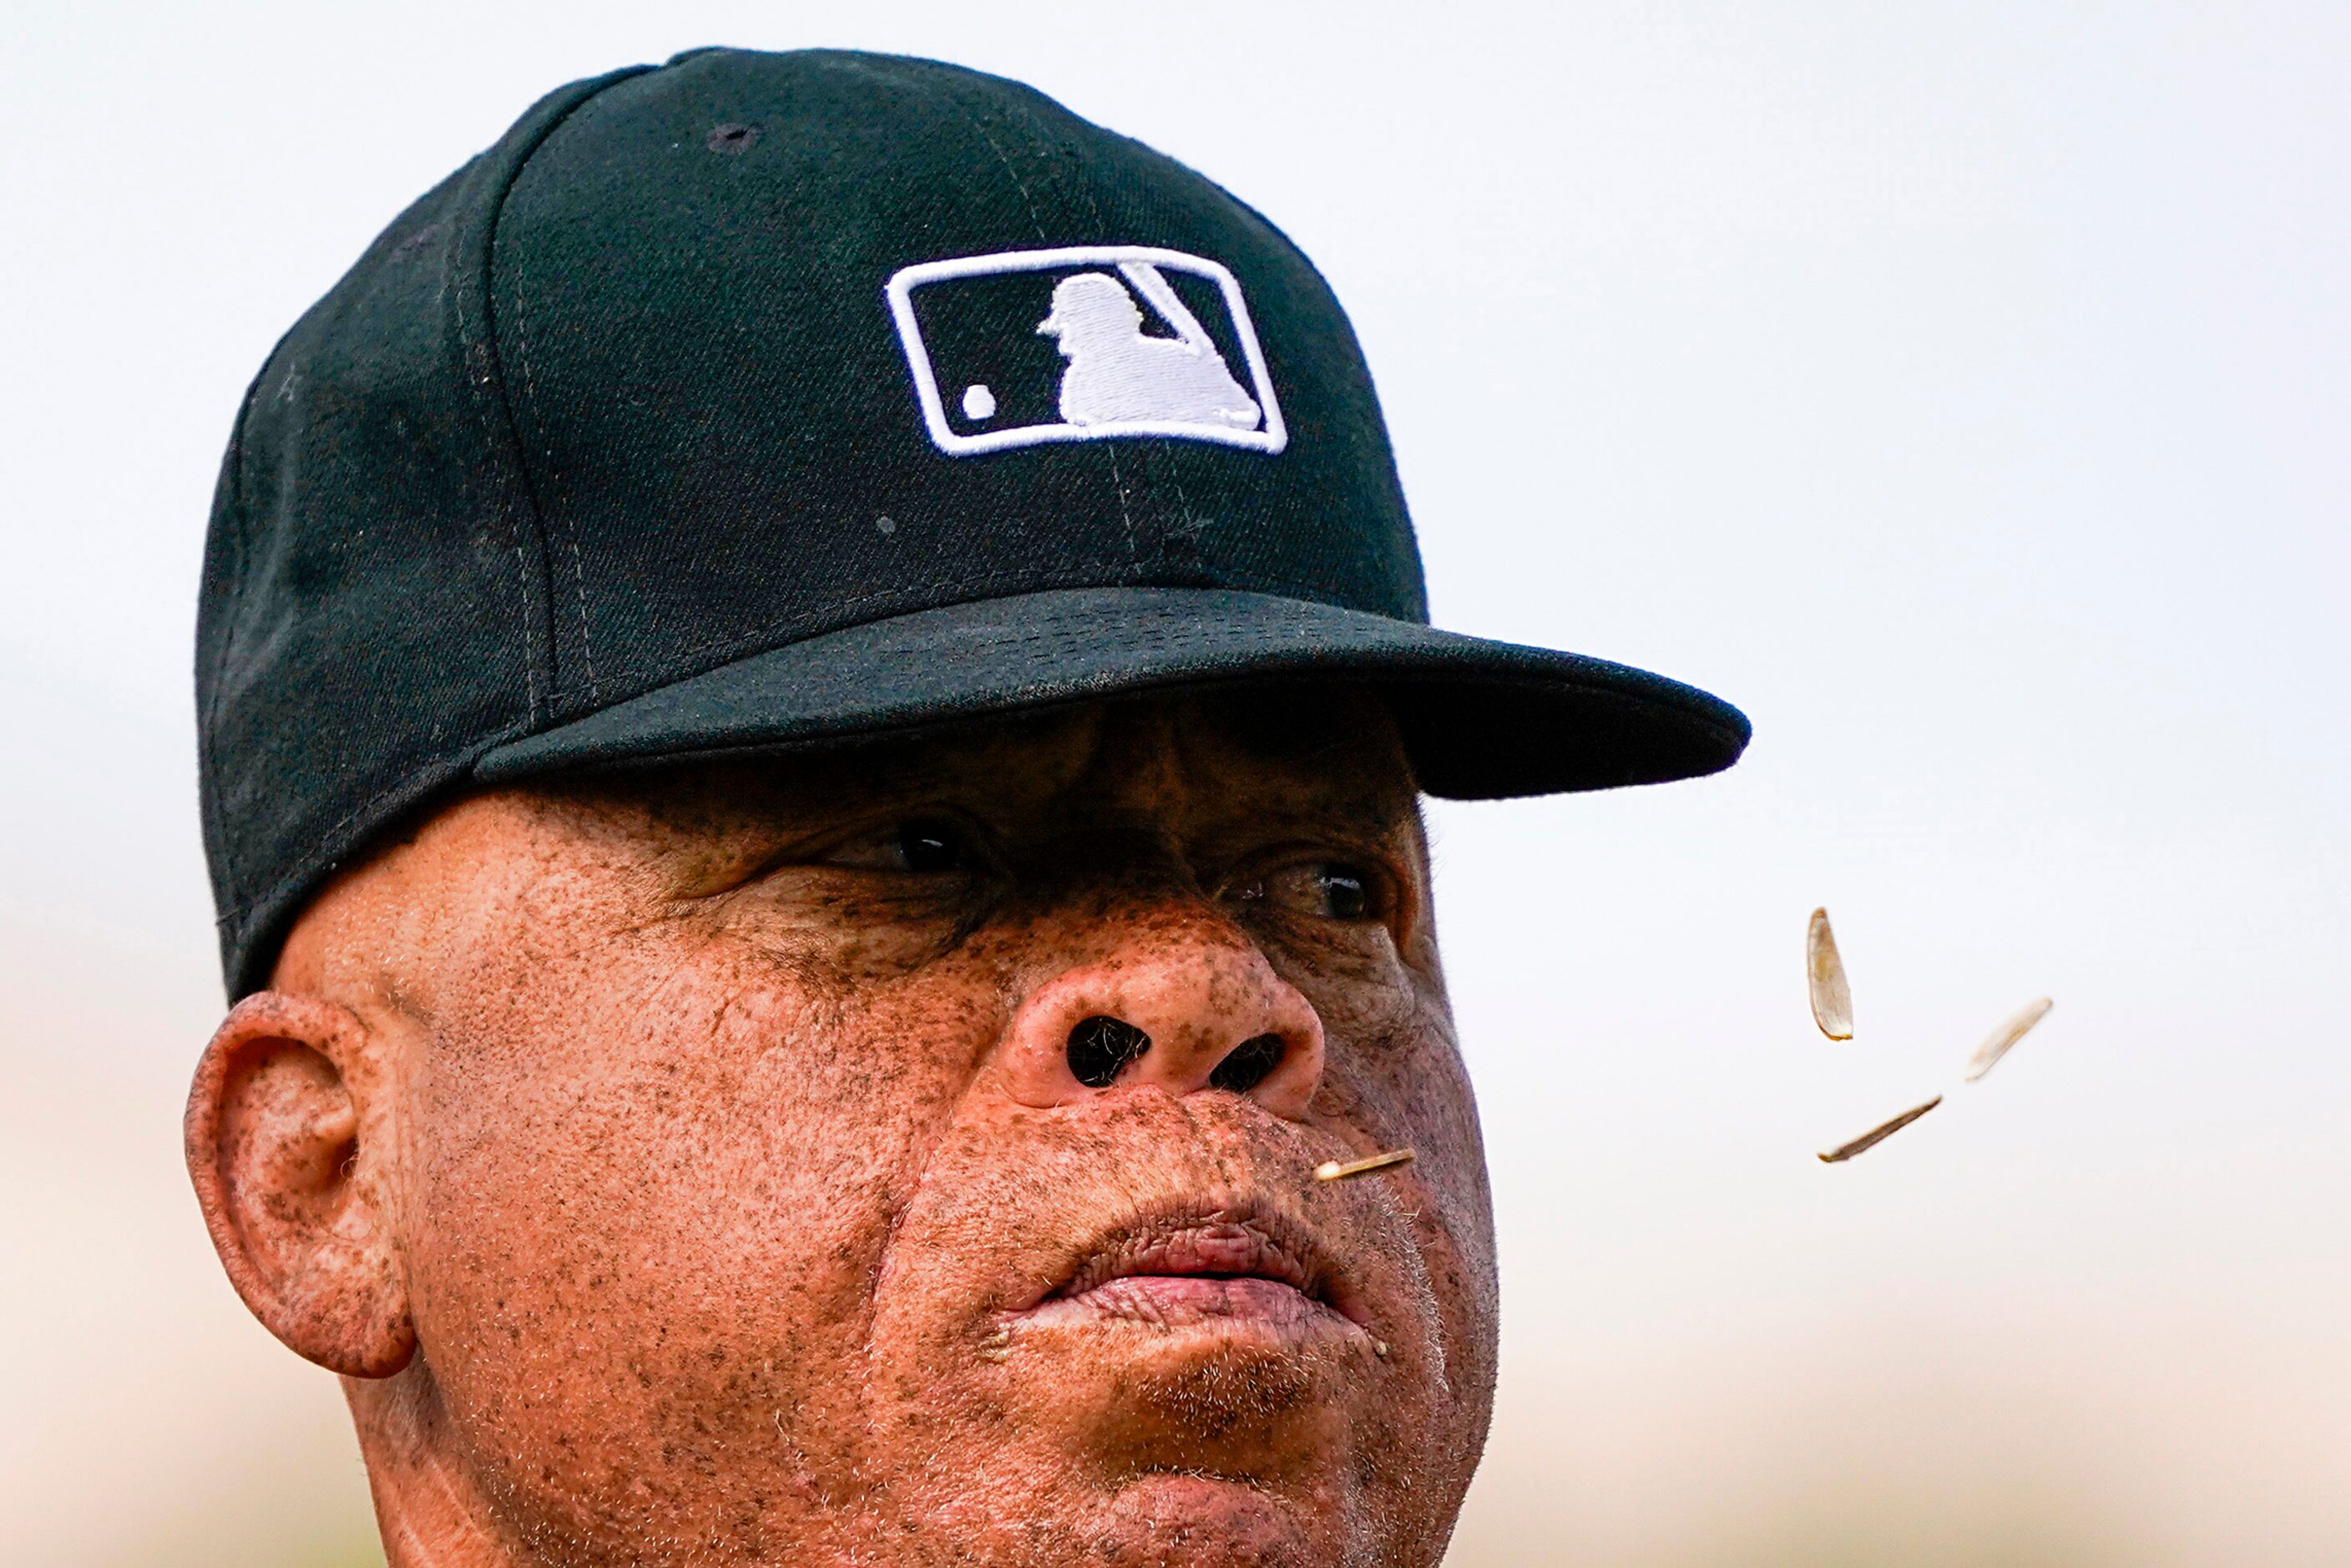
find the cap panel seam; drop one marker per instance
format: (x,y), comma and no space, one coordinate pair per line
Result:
(467,337)
(492,385)
(1118,479)
(1144,454)
(530,395)
(570,528)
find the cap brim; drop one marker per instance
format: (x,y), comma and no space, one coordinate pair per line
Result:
(1481,719)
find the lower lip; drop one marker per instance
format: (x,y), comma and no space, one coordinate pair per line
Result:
(1192,1300)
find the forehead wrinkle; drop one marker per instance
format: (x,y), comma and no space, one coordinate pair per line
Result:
(1131,768)
(1158,769)
(1176,746)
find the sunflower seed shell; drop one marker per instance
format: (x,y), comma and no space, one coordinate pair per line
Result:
(1999,1041)
(1340,1170)
(1832,996)
(1878,1134)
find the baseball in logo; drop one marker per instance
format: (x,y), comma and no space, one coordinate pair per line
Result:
(1088,343)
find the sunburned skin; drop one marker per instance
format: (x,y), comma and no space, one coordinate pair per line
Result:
(688,1165)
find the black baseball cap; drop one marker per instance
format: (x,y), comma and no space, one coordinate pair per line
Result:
(758,400)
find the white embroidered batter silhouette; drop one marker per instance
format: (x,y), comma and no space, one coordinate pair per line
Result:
(1118,375)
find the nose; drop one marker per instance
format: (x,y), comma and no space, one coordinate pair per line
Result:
(1189,1011)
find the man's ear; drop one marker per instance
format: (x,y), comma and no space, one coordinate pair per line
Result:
(290,1166)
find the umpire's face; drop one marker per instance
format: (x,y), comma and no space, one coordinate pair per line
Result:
(903,1156)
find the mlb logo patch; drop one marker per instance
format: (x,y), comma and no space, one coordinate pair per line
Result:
(1087,343)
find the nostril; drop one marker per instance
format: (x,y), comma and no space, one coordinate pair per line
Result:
(1100,1048)
(1249,1064)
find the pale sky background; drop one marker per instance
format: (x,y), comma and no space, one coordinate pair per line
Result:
(1960,387)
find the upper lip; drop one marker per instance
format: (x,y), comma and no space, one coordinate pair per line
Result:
(1231,1240)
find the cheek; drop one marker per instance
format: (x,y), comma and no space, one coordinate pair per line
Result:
(1395,1079)
(655,1185)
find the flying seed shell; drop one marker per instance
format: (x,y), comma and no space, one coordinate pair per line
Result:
(1878,1134)
(1338,1170)
(1832,995)
(1996,1043)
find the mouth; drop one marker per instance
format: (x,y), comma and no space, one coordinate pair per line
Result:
(1234,1268)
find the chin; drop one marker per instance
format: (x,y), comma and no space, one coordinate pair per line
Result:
(1187,1448)
(1157,1519)
(1173,1518)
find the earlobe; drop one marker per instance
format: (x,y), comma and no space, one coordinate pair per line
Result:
(282,1146)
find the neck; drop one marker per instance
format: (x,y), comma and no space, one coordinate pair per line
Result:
(429,1510)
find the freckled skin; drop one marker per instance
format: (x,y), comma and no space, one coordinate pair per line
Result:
(681,1172)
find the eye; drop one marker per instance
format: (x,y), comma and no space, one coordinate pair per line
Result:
(925,846)
(1343,890)
(932,844)
(1346,892)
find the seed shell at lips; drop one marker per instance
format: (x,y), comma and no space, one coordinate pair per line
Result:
(1340,1170)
